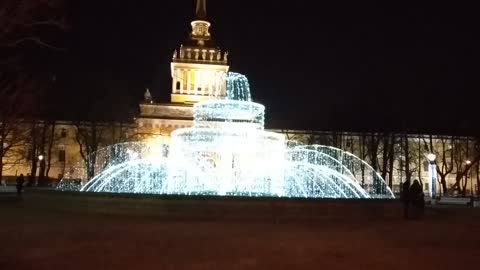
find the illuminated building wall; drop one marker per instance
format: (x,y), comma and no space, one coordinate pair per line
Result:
(64,143)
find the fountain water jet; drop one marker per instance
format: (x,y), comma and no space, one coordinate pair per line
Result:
(227,152)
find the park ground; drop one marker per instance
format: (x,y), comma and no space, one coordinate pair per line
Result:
(48,231)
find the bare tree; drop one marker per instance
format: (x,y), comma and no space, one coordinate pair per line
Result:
(467,155)
(446,161)
(89,136)
(25,27)
(52,138)
(373,141)
(41,141)
(24,21)
(92,135)
(391,157)
(373,145)
(363,155)
(408,158)
(387,150)
(14,107)
(478,178)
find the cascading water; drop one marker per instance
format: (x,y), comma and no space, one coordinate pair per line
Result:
(227,152)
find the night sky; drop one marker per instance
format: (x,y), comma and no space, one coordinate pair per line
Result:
(348,65)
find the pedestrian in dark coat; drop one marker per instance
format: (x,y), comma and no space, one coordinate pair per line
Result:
(405,198)
(417,199)
(20,181)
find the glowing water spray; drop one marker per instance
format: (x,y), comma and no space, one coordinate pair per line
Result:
(227,152)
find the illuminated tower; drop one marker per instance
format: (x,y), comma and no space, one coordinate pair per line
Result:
(198,67)
(198,72)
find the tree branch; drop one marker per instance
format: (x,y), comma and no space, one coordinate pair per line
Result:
(35,40)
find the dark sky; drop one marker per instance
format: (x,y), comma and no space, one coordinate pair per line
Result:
(330,65)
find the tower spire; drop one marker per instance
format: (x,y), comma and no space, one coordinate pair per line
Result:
(201,10)
(199,67)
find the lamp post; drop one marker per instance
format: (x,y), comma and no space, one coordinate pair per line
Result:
(468,163)
(432,172)
(40,179)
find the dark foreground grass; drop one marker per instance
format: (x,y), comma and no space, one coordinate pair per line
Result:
(46,232)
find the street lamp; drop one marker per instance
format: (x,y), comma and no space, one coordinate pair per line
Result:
(41,157)
(432,172)
(431,157)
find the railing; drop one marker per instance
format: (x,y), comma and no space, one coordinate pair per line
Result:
(199,61)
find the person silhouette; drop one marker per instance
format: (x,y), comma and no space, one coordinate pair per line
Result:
(405,198)
(20,181)
(417,199)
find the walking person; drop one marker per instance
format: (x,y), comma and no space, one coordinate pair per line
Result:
(417,199)
(405,198)
(20,181)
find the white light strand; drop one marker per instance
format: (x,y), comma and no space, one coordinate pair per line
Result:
(227,152)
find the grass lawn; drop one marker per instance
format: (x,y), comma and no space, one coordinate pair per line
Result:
(59,235)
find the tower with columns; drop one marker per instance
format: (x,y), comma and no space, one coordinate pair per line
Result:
(198,71)
(198,67)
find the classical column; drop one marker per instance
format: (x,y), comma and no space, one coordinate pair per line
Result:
(223,82)
(195,82)
(217,83)
(204,82)
(211,77)
(189,81)
(181,79)
(185,81)
(200,82)
(174,81)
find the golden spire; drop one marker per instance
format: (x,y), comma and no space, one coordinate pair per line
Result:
(201,10)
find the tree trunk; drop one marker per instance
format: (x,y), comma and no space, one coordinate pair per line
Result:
(446,167)
(33,155)
(391,157)
(41,172)
(373,153)
(443,181)
(408,173)
(50,146)
(1,166)
(1,155)
(362,153)
(386,140)
(419,168)
(92,151)
(478,179)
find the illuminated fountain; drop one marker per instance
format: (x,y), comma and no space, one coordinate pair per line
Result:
(227,152)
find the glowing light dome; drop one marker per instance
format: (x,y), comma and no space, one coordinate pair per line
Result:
(227,152)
